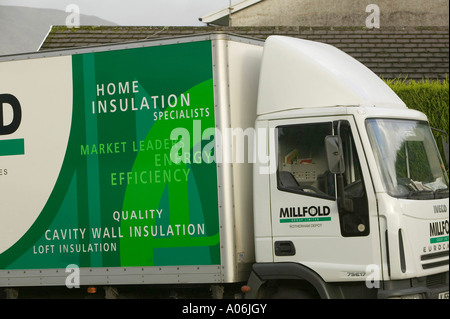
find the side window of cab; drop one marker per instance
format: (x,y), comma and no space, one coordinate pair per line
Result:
(302,160)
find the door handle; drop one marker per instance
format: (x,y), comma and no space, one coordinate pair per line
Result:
(284,248)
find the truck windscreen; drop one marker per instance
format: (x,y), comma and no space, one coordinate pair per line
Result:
(407,158)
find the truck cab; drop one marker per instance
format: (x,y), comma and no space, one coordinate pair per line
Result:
(355,202)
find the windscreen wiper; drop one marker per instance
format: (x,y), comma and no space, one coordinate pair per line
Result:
(423,194)
(441,193)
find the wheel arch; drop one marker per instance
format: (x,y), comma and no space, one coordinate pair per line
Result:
(264,273)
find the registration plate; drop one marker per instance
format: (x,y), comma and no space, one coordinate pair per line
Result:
(443,295)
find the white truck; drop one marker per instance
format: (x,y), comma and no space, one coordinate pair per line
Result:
(282,169)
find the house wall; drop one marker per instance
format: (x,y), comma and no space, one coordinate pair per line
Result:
(393,13)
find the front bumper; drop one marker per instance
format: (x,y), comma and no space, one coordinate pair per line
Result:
(429,287)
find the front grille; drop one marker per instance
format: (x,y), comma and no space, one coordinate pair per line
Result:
(434,260)
(436,280)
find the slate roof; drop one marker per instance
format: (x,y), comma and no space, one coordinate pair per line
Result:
(415,53)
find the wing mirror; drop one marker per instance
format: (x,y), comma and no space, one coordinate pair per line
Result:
(336,165)
(335,157)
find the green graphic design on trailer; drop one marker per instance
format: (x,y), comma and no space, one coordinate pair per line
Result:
(119,199)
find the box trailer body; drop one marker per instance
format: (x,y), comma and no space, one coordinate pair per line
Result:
(88,179)
(216,159)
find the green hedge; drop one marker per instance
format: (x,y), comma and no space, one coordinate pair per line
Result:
(428,96)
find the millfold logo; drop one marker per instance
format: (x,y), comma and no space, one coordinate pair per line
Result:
(304,214)
(10,119)
(439,231)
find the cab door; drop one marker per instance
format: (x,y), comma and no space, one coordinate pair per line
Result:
(309,223)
